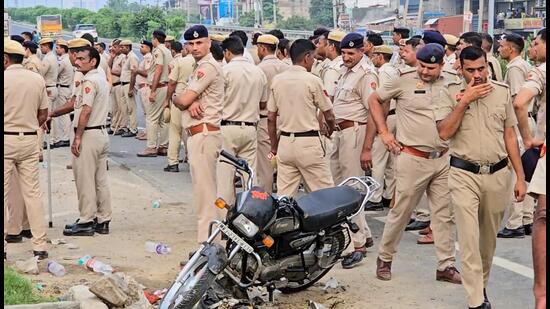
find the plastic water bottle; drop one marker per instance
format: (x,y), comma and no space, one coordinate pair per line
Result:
(157,248)
(156,203)
(97,266)
(56,269)
(83,260)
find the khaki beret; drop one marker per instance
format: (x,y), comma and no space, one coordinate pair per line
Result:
(13,47)
(451,39)
(383,49)
(75,43)
(125,42)
(168,38)
(115,42)
(61,42)
(45,41)
(217,37)
(336,35)
(267,39)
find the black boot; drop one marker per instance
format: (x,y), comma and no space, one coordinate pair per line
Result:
(172,168)
(354,258)
(509,233)
(102,228)
(26,234)
(417,225)
(528,228)
(80,229)
(12,239)
(374,206)
(70,226)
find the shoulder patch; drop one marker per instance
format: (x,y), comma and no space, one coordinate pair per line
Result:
(450,71)
(403,71)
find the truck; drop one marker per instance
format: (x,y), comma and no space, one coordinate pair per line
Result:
(7,25)
(49,25)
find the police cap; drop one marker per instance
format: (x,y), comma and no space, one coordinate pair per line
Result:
(451,39)
(431,53)
(126,42)
(76,43)
(431,36)
(13,47)
(195,32)
(148,43)
(169,38)
(352,40)
(267,39)
(383,49)
(336,35)
(62,42)
(45,41)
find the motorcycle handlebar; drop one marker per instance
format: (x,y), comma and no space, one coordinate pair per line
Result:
(240,163)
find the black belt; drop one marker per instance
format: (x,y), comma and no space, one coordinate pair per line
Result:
(93,128)
(19,133)
(124,83)
(116,84)
(237,123)
(301,134)
(51,86)
(63,86)
(476,168)
(391,112)
(263,116)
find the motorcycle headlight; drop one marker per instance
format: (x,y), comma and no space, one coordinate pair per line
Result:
(246,226)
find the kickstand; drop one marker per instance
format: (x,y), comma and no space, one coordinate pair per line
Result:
(270,290)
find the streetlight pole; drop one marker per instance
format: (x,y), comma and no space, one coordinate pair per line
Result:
(480,17)
(491,17)
(275,11)
(467,20)
(420,14)
(334,13)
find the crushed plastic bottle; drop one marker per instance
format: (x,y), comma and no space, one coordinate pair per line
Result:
(157,248)
(156,203)
(56,269)
(97,266)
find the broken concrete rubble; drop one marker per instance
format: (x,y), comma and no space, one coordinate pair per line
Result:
(120,291)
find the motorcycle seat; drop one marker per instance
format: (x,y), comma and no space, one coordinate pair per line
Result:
(325,207)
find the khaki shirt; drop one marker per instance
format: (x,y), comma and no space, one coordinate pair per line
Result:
(415,102)
(296,95)
(319,66)
(450,75)
(352,91)
(94,92)
(49,69)
(254,53)
(78,76)
(145,64)
(480,137)
(33,63)
(332,74)
(245,88)
(181,70)
(536,82)
(449,61)
(516,74)
(117,66)
(287,61)
(65,76)
(131,63)
(163,57)
(103,62)
(271,66)
(208,82)
(494,67)
(386,73)
(21,105)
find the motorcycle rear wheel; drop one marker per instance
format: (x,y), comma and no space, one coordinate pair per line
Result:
(302,286)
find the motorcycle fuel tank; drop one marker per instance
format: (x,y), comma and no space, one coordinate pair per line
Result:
(258,206)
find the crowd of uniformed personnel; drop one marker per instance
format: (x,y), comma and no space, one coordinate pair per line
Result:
(432,118)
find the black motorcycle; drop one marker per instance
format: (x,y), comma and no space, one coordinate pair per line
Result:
(279,243)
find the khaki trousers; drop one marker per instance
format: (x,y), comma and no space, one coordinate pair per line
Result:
(61,126)
(422,211)
(382,165)
(52,97)
(175,131)
(17,212)
(203,151)
(265,169)
(116,122)
(131,108)
(157,129)
(90,174)
(520,213)
(239,141)
(414,176)
(345,162)
(21,155)
(144,93)
(293,165)
(479,202)
(122,107)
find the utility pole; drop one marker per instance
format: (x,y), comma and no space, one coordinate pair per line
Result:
(334,14)
(275,11)
(491,17)
(480,17)
(467,21)
(420,14)
(406,11)
(188,13)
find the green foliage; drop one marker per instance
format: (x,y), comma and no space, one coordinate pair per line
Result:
(267,8)
(296,23)
(118,5)
(247,19)
(19,290)
(321,12)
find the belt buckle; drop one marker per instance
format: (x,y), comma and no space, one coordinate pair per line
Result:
(434,155)
(484,169)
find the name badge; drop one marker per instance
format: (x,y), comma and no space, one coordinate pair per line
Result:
(419,91)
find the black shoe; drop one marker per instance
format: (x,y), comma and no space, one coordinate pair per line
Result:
(84,229)
(128,134)
(417,225)
(26,234)
(42,255)
(61,144)
(486,304)
(12,239)
(102,228)
(110,131)
(374,206)
(120,132)
(369,242)
(386,202)
(528,228)
(172,168)
(45,146)
(509,233)
(354,258)
(70,226)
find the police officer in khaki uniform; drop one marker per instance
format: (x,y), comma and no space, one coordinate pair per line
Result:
(182,68)
(168,41)
(295,97)
(128,82)
(90,146)
(245,90)
(157,78)
(334,67)
(271,66)
(521,214)
(48,70)
(24,112)
(398,34)
(450,51)
(494,64)
(202,104)
(116,58)
(61,126)
(141,79)
(356,83)
(422,163)
(320,40)
(31,61)
(478,118)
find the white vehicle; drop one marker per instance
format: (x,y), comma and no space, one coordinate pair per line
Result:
(81,29)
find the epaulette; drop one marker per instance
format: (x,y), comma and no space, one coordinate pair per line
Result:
(450,71)
(452,83)
(403,71)
(503,84)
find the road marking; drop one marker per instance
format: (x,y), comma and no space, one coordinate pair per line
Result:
(498,261)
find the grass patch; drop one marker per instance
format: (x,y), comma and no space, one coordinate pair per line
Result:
(19,290)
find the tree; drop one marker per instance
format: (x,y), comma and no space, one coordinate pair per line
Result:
(321,12)
(118,5)
(296,23)
(247,19)
(267,8)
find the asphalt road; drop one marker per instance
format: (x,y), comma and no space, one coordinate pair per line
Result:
(510,286)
